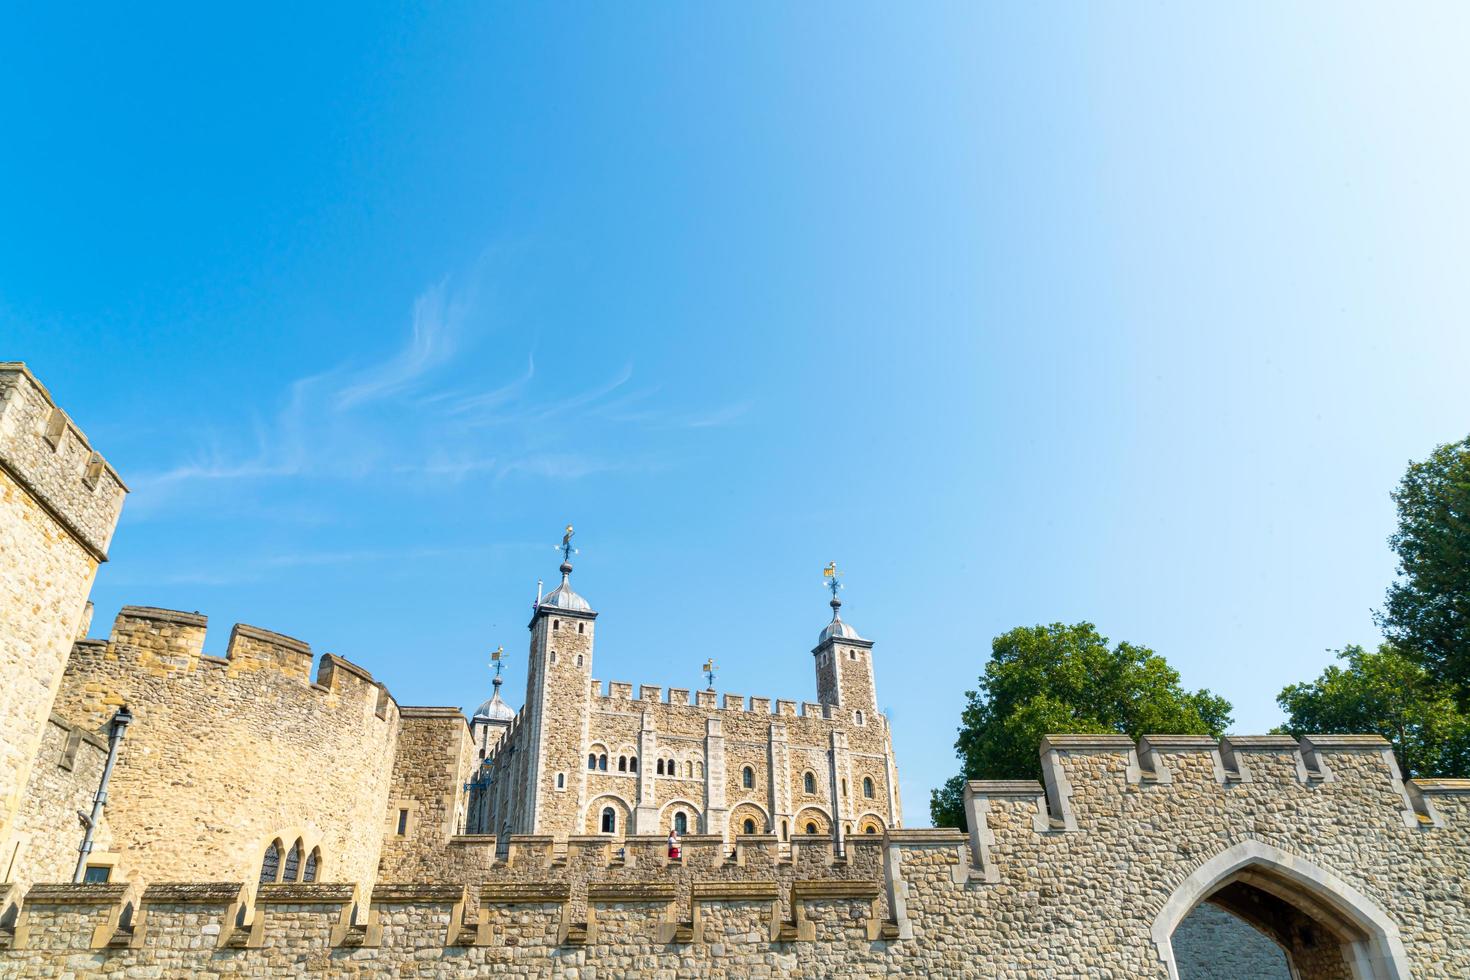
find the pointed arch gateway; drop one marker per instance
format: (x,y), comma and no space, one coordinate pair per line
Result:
(1368,939)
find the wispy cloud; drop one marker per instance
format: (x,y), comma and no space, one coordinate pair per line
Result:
(413,417)
(438,317)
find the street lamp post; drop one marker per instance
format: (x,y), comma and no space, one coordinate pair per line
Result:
(115,729)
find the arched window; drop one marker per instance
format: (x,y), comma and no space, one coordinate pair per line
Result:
(699,770)
(747,779)
(870,829)
(622,763)
(784,831)
(632,763)
(868,787)
(809,783)
(602,762)
(555,624)
(579,660)
(660,767)
(592,760)
(859,716)
(669,768)
(749,827)
(681,823)
(609,820)
(581,627)
(811,828)
(689,770)
(561,780)
(270,868)
(852,655)
(553,656)
(313,862)
(293,862)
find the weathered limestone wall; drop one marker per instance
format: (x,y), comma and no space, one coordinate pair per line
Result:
(63,781)
(1087,878)
(59,504)
(434,760)
(225,754)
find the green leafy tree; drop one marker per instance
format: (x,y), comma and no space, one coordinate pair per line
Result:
(1427,612)
(1065,679)
(1386,693)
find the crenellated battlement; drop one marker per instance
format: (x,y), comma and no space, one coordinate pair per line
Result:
(163,642)
(1093,782)
(44,451)
(705,700)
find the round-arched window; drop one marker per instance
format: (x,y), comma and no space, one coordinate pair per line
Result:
(609,820)
(747,777)
(749,826)
(809,783)
(681,823)
(868,787)
(811,828)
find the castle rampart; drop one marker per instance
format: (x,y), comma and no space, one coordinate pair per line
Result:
(1369,893)
(249,735)
(59,504)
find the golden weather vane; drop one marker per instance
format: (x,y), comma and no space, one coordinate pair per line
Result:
(832,578)
(709,672)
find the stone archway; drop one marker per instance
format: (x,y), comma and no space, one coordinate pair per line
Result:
(810,821)
(1328,928)
(752,812)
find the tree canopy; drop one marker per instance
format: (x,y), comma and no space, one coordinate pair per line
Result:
(1427,612)
(1386,693)
(1065,679)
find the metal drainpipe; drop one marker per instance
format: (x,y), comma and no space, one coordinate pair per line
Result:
(120,722)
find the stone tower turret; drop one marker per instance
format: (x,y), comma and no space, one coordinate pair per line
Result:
(844,665)
(558,692)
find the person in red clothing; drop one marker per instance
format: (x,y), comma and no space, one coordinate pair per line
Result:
(673,845)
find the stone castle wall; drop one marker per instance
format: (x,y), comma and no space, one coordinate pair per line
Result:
(226,754)
(63,782)
(1087,874)
(59,504)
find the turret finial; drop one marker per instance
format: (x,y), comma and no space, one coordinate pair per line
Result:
(567,551)
(495,662)
(833,581)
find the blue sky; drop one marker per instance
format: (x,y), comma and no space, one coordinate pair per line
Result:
(1019,314)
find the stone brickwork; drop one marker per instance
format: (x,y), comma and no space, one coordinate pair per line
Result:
(63,782)
(591,758)
(59,504)
(227,754)
(1096,872)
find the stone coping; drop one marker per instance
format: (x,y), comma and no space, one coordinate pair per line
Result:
(1372,742)
(631,891)
(339,661)
(268,636)
(1443,787)
(526,893)
(166,615)
(298,893)
(409,892)
(736,891)
(408,711)
(835,889)
(1005,787)
(59,893)
(469,840)
(1179,743)
(1284,743)
(194,893)
(1086,743)
(926,835)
